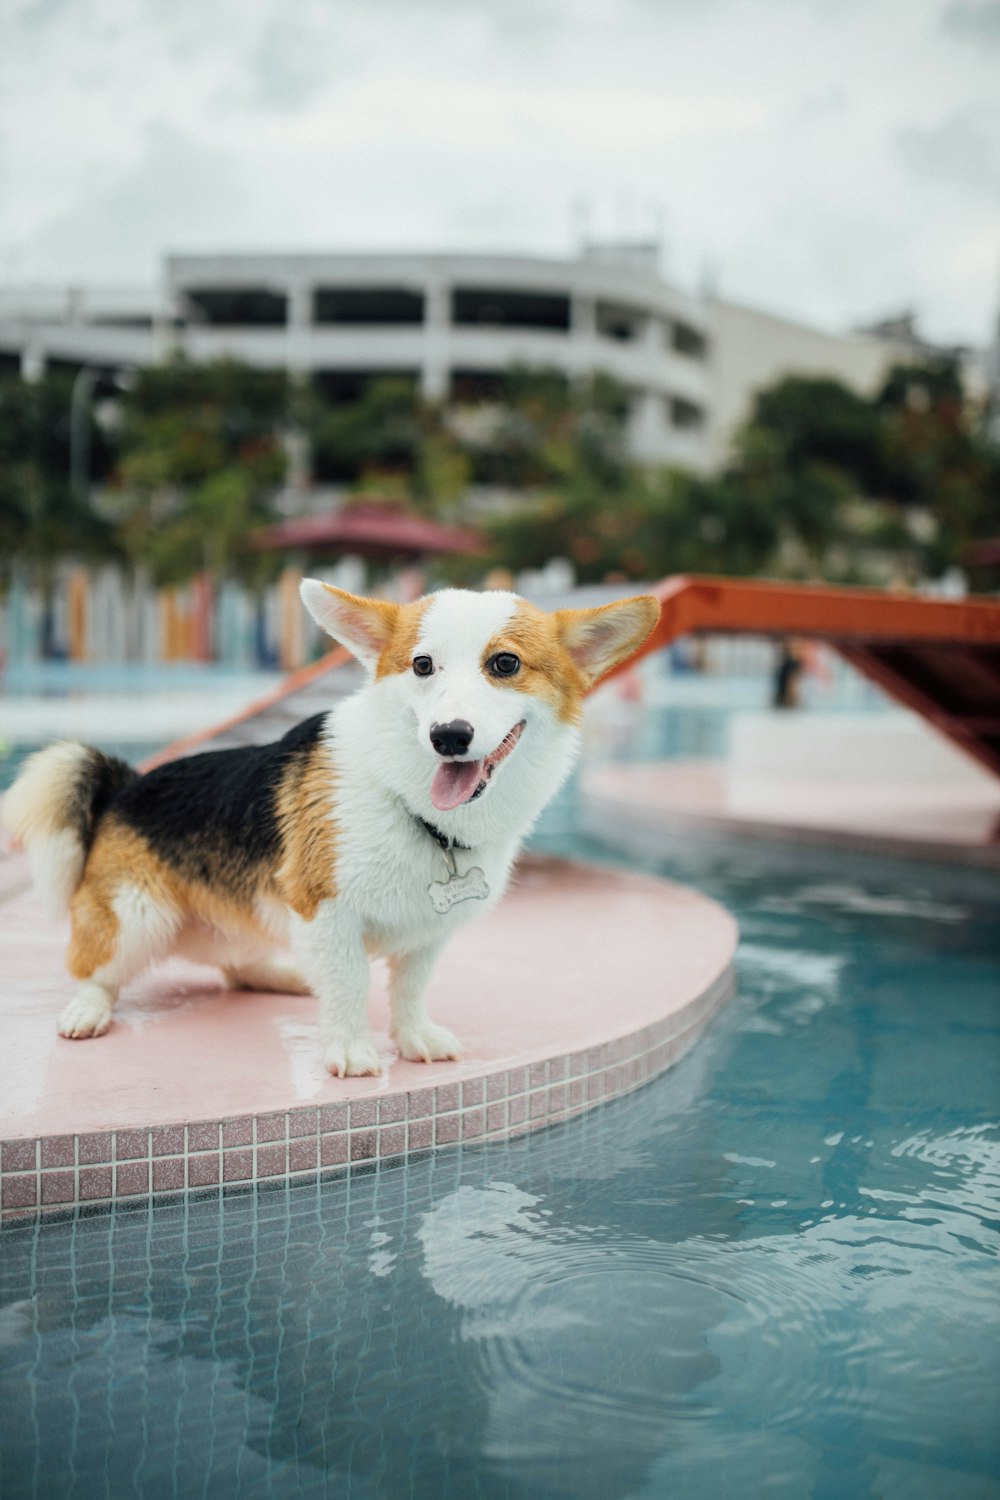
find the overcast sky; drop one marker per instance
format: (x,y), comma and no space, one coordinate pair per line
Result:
(835,160)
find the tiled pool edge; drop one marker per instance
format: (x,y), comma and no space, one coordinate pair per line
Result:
(64,1175)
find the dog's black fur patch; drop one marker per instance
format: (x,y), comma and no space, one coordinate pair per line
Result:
(98,782)
(213,817)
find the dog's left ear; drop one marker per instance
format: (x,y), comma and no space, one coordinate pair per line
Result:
(598,639)
(364,626)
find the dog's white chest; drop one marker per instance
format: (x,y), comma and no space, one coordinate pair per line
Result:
(409,891)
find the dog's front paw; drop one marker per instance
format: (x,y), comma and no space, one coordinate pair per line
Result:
(352,1059)
(87,1014)
(428,1043)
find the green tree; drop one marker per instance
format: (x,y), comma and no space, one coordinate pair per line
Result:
(537,429)
(378,432)
(821,482)
(657,521)
(42,521)
(389,441)
(868,489)
(937,454)
(802,498)
(202,456)
(817,421)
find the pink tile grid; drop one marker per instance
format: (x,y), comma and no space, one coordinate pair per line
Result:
(66,1171)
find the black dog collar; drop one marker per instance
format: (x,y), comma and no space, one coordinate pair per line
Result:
(441,839)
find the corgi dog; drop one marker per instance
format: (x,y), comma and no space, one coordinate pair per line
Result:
(373,829)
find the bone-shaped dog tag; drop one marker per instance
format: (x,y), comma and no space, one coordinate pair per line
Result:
(445,894)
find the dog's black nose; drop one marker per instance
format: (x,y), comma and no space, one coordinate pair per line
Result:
(452,739)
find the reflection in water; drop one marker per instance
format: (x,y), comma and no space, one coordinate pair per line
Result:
(772,1272)
(583,1345)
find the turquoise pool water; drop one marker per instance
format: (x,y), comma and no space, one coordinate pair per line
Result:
(771,1273)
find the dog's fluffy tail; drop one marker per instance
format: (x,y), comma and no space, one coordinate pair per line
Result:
(53,809)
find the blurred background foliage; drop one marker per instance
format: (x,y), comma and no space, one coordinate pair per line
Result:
(821,483)
(188,460)
(41,520)
(200,458)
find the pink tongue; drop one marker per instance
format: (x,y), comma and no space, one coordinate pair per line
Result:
(454,782)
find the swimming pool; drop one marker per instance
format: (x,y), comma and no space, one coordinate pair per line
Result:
(772,1272)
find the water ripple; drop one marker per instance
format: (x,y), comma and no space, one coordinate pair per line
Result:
(584,1341)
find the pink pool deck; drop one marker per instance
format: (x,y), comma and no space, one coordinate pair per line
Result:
(644,806)
(584,984)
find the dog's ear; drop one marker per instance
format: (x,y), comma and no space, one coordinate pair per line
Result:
(598,639)
(364,626)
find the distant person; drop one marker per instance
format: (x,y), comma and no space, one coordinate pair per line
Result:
(787,676)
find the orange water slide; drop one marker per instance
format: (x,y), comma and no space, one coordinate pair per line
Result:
(938,657)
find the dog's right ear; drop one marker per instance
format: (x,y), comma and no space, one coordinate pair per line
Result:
(364,626)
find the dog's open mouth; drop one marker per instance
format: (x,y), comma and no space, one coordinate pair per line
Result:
(458,781)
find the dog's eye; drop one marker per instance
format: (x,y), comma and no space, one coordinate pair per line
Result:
(504,664)
(423,666)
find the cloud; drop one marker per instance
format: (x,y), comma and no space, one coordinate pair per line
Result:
(292,62)
(131,220)
(961,151)
(820,106)
(975,21)
(38,13)
(393,124)
(291,67)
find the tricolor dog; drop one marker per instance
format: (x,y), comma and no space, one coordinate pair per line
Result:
(375,828)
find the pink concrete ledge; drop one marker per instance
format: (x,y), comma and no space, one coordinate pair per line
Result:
(584,984)
(644,807)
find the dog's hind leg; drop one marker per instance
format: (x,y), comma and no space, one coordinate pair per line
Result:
(114,939)
(271,972)
(418,1038)
(330,947)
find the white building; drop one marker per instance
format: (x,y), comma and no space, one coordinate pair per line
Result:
(453,324)
(752,349)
